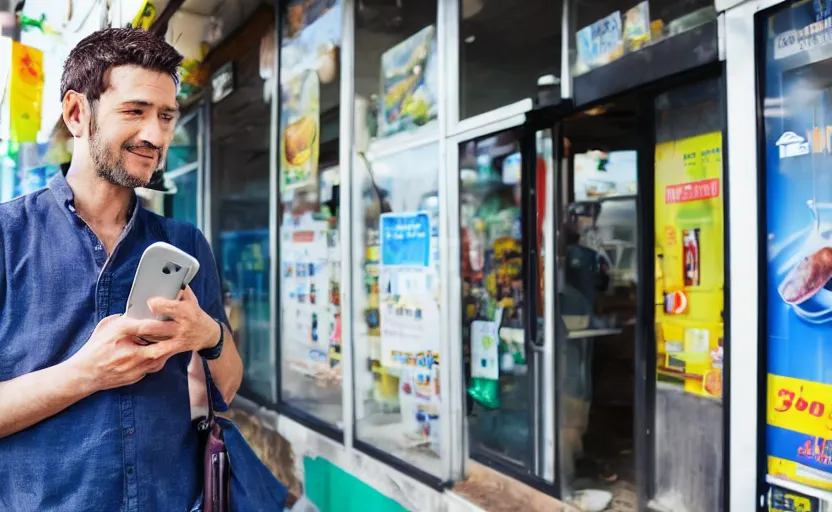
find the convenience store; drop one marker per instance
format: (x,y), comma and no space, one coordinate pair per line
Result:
(474,196)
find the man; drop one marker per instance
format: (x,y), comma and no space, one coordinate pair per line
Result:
(90,417)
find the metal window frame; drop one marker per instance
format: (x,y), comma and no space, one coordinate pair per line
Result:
(345,224)
(745,270)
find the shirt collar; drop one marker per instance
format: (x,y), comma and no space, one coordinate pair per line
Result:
(66,199)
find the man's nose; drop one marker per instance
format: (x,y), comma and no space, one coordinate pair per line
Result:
(154,132)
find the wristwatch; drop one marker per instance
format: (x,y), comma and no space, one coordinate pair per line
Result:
(214,352)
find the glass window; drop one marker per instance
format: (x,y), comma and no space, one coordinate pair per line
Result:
(310,269)
(184,149)
(183,203)
(796,102)
(596,300)
(396,68)
(608,29)
(690,276)
(395,233)
(505,48)
(396,305)
(240,218)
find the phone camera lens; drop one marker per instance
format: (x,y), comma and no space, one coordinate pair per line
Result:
(166,270)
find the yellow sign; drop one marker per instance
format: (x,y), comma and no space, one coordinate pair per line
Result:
(689,253)
(792,471)
(799,405)
(25,92)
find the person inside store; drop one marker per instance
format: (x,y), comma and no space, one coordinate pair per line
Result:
(586,275)
(95,406)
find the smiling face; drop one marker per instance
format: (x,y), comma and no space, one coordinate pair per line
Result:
(131,125)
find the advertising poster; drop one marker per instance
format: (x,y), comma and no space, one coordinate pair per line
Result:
(798,159)
(409,313)
(599,43)
(690,267)
(309,61)
(307,322)
(409,74)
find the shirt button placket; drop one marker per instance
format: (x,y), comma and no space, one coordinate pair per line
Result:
(129,444)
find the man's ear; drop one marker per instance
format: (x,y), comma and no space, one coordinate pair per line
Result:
(76,113)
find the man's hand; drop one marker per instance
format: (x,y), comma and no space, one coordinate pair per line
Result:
(111,358)
(191,329)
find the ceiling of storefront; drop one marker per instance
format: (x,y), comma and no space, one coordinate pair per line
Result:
(230,14)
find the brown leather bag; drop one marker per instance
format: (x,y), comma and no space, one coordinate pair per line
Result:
(217,467)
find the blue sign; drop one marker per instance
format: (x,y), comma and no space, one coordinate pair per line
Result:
(405,239)
(798,156)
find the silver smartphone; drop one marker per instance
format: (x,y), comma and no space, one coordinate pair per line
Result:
(163,272)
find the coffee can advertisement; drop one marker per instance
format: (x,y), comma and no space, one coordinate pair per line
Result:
(797,92)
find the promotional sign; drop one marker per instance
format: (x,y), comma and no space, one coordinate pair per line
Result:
(409,312)
(309,61)
(600,43)
(798,155)
(306,322)
(409,74)
(690,262)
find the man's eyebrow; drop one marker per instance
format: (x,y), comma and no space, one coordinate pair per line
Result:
(143,103)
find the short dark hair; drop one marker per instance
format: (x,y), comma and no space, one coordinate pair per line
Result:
(85,70)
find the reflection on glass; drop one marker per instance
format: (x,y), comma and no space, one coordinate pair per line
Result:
(505,49)
(240,219)
(310,254)
(184,148)
(612,28)
(597,268)
(396,309)
(310,275)
(182,205)
(690,275)
(497,370)
(396,68)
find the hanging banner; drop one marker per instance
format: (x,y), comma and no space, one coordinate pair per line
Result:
(25,92)
(798,156)
(690,266)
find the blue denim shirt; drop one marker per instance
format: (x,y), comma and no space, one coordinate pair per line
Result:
(129,449)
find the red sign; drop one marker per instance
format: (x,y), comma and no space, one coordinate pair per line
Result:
(303,237)
(694,191)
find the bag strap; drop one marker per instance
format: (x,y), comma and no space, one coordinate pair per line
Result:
(211,419)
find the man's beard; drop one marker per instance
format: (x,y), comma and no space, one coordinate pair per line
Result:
(114,172)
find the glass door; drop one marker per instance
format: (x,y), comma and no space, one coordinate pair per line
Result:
(499,386)
(509,406)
